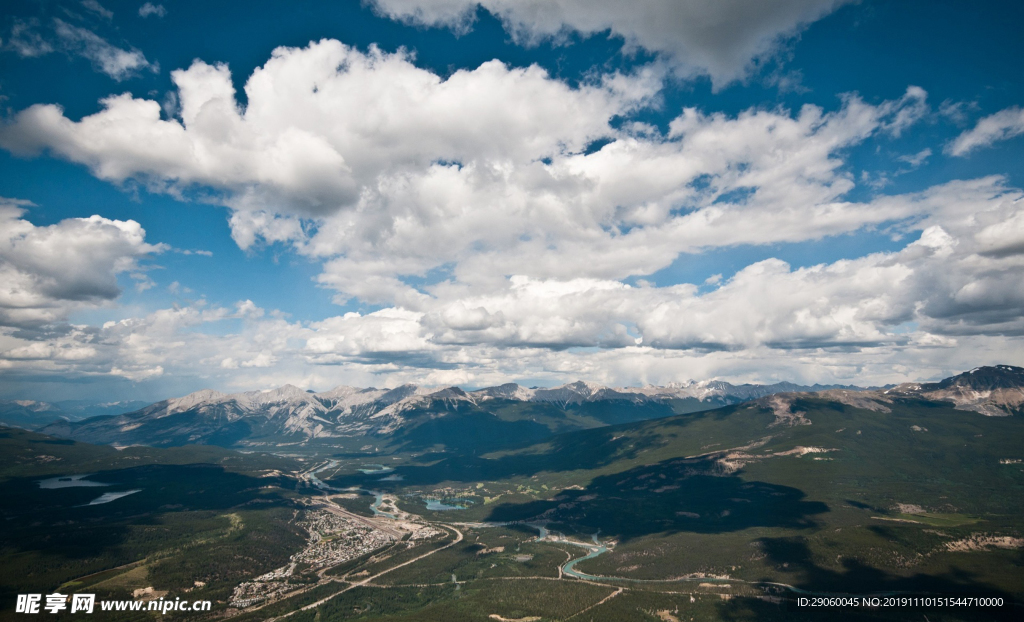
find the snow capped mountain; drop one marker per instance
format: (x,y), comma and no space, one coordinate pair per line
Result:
(508,391)
(290,414)
(996,391)
(286,413)
(709,389)
(573,393)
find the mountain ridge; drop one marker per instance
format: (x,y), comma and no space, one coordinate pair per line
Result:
(33,414)
(289,413)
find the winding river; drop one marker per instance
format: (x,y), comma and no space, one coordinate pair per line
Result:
(376,503)
(596,549)
(379,496)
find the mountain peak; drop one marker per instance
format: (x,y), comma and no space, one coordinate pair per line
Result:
(448,393)
(585,388)
(507,391)
(203,396)
(341,391)
(986,378)
(285,390)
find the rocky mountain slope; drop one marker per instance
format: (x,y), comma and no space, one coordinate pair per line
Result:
(996,391)
(418,416)
(290,414)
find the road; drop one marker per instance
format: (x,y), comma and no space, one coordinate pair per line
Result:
(458,538)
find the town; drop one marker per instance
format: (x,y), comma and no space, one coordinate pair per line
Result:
(333,538)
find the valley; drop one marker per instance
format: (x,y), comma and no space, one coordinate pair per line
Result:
(729,513)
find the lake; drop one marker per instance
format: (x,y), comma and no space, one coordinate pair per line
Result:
(69,481)
(107,497)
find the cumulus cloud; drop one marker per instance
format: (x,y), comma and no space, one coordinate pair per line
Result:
(628,209)
(940,303)
(1002,125)
(945,301)
(478,214)
(323,122)
(47,272)
(946,298)
(386,170)
(721,39)
(957,278)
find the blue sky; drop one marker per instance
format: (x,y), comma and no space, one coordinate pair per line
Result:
(478,192)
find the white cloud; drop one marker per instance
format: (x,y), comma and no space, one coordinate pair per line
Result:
(138,373)
(629,209)
(915,160)
(956,111)
(958,278)
(248,308)
(1002,125)
(25,39)
(60,349)
(906,111)
(142,281)
(47,272)
(117,63)
(322,123)
(944,302)
(722,39)
(29,39)
(480,189)
(263,359)
(386,170)
(947,299)
(392,347)
(97,8)
(149,8)
(188,251)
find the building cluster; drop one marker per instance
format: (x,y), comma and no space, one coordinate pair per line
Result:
(420,531)
(333,539)
(253,592)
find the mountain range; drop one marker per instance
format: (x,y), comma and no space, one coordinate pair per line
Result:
(32,415)
(415,417)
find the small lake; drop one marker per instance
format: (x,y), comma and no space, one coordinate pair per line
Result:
(376,504)
(68,481)
(439,505)
(107,497)
(377,468)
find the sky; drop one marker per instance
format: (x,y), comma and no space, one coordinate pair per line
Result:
(241,195)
